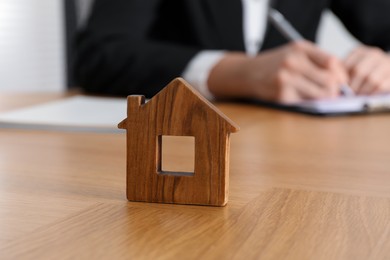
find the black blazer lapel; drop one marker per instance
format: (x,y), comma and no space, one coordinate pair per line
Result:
(272,37)
(228,22)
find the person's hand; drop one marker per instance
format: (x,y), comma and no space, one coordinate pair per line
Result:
(369,70)
(291,73)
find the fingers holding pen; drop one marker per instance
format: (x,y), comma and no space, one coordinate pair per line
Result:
(327,62)
(324,72)
(320,60)
(291,73)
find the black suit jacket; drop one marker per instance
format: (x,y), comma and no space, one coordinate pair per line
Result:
(138,46)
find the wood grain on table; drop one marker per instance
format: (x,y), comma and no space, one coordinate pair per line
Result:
(301,187)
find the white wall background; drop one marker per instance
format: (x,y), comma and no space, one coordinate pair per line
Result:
(32,45)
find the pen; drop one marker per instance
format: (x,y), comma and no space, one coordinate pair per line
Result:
(288,31)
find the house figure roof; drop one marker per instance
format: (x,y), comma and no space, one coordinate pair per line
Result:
(181,93)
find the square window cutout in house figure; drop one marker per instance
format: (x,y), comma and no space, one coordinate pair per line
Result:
(176,155)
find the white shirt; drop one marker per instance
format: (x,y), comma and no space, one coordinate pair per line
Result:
(254,25)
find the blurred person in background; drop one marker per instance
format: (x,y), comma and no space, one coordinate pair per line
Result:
(227,48)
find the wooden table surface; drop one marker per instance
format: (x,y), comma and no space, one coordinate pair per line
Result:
(301,187)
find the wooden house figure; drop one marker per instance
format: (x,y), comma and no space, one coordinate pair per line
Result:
(177,110)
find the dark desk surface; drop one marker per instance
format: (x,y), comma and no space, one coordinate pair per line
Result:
(301,187)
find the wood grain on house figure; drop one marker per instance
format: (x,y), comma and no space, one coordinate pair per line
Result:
(177,110)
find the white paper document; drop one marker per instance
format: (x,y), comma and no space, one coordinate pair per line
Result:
(79,113)
(346,105)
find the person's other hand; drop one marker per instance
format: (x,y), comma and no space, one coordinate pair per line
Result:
(288,74)
(369,70)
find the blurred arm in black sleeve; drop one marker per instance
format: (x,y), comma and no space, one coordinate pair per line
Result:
(127,48)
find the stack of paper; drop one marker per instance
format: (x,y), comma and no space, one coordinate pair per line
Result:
(79,113)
